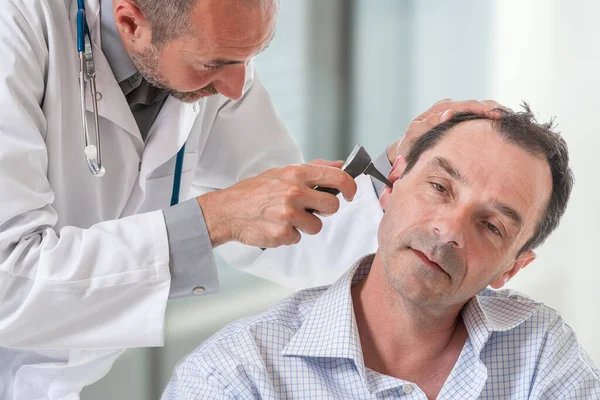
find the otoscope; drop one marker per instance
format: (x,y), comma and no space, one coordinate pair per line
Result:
(359,162)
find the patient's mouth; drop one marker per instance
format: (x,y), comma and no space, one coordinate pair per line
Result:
(426,260)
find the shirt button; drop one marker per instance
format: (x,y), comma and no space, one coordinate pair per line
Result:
(407,389)
(199,290)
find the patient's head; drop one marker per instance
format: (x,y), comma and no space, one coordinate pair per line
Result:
(470,202)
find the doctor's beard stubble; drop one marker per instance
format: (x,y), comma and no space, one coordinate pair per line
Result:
(147,64)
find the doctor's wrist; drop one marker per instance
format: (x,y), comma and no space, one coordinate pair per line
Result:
(215,218)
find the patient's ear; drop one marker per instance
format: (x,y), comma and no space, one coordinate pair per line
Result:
(521,262)
(395,174)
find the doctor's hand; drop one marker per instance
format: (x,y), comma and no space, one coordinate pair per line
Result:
(270,209)
(440,112)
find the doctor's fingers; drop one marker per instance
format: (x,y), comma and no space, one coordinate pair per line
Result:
(282,220)
(310,175)
(484,107)
(434,109)
(307,223)
(327,163)
(416,129)
(281,235)
(321,203)
(288,232)
(304,220)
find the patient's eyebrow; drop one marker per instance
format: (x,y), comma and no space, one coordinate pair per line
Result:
(444,165)
(510,213)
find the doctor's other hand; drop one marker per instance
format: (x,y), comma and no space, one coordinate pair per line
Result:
(440,112)
(270,209)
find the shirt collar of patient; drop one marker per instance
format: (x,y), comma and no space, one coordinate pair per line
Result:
(339,338)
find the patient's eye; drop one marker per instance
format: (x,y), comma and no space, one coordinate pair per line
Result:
(493,229)
(439,187)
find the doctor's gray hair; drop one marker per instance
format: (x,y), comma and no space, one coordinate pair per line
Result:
(539,139)
(169,19)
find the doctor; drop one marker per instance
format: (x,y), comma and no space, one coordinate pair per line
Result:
(88,262)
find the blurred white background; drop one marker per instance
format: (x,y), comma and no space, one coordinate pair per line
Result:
(343,72)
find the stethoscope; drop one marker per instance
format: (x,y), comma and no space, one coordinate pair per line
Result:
(87,76)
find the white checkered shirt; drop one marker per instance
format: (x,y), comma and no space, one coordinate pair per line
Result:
(308,347)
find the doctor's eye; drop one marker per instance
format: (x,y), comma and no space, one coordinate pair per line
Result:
(217,66)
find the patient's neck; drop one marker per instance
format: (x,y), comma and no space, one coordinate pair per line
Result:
(404,340)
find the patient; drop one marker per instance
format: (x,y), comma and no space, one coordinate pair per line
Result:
(470,202)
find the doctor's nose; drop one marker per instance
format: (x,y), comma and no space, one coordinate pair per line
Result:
(230,82)
(451,229)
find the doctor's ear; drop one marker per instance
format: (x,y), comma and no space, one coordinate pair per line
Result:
(131,23)
(397,170)
(521,262)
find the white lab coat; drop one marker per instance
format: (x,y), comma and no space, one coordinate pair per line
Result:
(84,262)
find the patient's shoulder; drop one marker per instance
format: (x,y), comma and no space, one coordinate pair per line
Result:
(509,294)
(509,302)
(518,316)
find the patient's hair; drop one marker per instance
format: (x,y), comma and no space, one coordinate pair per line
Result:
(523,130)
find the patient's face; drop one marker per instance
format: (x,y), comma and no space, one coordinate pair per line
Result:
(460,207)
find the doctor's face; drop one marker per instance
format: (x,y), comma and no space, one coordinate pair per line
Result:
(211,57)
(456,221)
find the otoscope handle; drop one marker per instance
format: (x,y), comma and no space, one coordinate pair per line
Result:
(334,192)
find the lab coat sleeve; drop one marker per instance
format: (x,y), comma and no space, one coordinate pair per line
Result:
(247,138)
(104,287)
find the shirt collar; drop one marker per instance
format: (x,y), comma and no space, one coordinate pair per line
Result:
(330,330)
(495,311)
(112,46)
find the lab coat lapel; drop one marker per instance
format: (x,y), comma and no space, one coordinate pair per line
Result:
(112,104)
(169,132)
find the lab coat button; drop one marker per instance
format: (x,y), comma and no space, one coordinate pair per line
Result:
(98,96)
(407,389)
(199,290)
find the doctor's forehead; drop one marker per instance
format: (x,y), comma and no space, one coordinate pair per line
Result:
(242,25)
